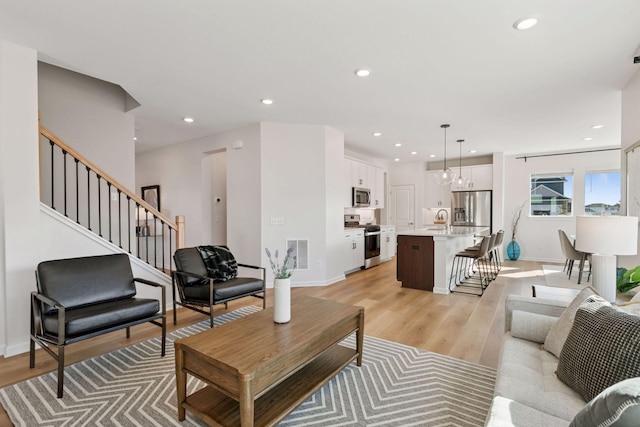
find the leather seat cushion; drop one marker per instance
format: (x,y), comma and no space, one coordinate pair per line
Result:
(190,260)
(224,290)
(83,320)
(78,282)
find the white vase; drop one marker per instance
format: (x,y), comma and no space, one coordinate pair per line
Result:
(281,300)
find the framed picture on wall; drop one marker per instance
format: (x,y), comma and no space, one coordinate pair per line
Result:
(151,195)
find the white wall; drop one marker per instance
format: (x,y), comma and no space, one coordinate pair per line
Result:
(630,135)
(300,184)
(214,198)
(178,170)
(538,236)
(19,191)
(276,170)
(89,115)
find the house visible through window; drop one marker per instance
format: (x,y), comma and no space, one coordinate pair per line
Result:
(602,193)
(551,194)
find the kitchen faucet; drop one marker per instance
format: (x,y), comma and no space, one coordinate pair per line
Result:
(442,216)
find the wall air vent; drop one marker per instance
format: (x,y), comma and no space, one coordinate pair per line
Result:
(301,251)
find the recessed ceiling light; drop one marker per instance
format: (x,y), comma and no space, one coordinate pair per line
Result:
(363,72)
(432,155)
(267,101)
(472,151)
(587,138)
(135,138)
(396,159)
(377,134)
(525,23)
(397,144)
(188,119)
(413,153)
(597,126)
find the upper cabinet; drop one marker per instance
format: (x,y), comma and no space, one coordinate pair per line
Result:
(481,177)
(438,196)
(359,175)
(362,175)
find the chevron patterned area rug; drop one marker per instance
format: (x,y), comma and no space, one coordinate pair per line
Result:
(396,385)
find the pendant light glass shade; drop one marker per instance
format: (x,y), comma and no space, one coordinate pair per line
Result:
(461,181)
(446,175)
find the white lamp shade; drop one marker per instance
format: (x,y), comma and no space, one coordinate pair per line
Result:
(609,235)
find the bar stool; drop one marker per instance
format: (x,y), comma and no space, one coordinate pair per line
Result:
(495,253)
(469,269)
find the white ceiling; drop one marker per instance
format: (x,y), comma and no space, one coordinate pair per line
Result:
(433,62)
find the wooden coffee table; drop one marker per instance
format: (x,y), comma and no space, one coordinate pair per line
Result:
(258,371)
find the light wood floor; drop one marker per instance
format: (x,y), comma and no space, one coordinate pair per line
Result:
(462,326)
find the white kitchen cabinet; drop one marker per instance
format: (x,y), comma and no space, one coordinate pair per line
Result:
(377,197)
(353,248)
(438,196)
(481,177)
(359,174)
(387,242)
(363,175)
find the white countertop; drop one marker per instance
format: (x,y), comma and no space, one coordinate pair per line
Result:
(435,230)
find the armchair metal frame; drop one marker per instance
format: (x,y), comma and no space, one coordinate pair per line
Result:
(200,305)
(54,345)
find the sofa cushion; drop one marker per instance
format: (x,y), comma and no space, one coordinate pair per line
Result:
(560,330)
(78,282)
(618,405)
(526,374)
(224,290)
(531,326)
(603,348)
(508,413)
(220,263)
(96,317)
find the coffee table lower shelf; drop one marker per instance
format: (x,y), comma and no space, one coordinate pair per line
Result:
(218,409)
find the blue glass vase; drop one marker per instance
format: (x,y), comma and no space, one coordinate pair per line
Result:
(513,250)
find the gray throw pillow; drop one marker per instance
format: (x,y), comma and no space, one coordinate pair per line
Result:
(618,405)
(531,326)
(603,348)
(560,330)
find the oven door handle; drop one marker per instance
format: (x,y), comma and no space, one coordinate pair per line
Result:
(373,233)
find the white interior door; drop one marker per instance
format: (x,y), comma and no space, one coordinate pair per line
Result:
(402,207)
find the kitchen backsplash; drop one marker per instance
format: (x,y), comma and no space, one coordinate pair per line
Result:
(367,216)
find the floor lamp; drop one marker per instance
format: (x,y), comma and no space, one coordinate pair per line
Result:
(604,237)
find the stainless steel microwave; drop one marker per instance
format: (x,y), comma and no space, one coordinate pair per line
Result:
(360,197)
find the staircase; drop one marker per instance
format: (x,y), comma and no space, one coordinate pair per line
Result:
(76,188)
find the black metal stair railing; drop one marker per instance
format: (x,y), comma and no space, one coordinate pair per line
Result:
(75,187)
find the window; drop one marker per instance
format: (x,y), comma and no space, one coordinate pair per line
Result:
(602,193)
(551,195)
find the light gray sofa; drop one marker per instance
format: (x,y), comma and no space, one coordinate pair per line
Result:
(528,392)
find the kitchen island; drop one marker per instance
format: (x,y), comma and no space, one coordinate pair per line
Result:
(425,256)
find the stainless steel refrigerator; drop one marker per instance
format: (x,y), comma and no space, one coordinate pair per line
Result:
(471,208)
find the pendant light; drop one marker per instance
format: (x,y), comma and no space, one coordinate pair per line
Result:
(461,181)
(445,176)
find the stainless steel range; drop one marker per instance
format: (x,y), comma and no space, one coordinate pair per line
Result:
(371,239)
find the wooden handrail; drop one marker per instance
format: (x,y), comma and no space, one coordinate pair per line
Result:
(49,135)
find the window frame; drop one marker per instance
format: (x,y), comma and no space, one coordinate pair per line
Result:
(566,173)
(601,171)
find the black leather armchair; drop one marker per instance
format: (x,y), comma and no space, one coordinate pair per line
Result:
(203,279)
(80,298)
